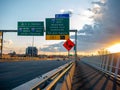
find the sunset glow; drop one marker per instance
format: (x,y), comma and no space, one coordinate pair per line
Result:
(115,48)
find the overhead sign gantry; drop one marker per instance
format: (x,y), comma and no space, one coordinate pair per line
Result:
(56,29)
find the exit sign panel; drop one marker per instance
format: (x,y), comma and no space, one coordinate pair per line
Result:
(57,28)
(31,28)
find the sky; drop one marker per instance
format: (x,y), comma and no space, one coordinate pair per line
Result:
(97,22)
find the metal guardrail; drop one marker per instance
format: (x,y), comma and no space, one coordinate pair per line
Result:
(49,87)
(109,64)
(67,84)
(46,81)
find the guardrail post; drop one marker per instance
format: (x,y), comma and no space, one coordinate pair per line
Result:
(103,63)
(102,59)
(111,64)
(106,67)
(117,67)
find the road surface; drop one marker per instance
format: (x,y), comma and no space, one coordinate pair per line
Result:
(13,74)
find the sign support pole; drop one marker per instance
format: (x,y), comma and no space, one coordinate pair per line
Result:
(1,45)
(68,53)
(76,45)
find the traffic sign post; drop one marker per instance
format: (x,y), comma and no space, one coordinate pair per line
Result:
(57,28)
(76,45)
(1,44)
(30,28)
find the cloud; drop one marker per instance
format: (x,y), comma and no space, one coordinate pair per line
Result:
(87,29)
(101,2)
(69,11)
(8,42)
(104,31)
(109,22)
(106,28)
(55,48)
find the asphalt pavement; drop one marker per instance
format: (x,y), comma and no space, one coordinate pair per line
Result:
(13,74)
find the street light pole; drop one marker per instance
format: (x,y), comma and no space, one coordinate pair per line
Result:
(32,46)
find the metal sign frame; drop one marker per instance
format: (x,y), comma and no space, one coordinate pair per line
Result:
(45,31)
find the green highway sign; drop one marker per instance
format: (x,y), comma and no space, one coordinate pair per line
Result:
(57,28)
(31,28)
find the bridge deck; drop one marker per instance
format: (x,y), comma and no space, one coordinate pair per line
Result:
(88,78)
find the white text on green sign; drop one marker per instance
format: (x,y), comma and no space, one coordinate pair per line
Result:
(31,28)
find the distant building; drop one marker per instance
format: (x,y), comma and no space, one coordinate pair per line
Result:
(13,53)
(31,51)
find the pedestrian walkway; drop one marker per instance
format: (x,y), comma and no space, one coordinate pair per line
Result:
(88,78)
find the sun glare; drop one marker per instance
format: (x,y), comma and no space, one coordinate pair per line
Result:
(115,48)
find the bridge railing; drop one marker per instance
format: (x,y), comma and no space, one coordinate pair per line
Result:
(109,64)
(50,80)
